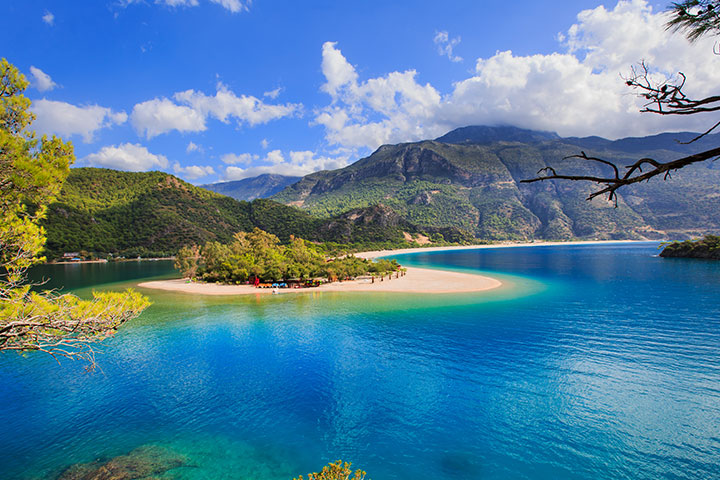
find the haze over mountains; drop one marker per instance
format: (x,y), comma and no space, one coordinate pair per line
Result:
(462,185)
(262,186)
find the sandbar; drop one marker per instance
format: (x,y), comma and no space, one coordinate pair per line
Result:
(415,280)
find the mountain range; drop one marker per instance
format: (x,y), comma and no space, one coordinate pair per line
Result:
(463,186)
(262,186)
(470,179)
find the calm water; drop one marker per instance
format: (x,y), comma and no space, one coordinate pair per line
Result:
(595,362)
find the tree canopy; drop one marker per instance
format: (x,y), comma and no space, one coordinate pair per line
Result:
(32,172)
(260,255)
(695,18)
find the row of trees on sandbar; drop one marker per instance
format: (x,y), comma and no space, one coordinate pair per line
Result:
(260,255)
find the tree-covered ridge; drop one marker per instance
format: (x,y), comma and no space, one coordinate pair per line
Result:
(155,214)
(707,248)
(260,256)
(475,186)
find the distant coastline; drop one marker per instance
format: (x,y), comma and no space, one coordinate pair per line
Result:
(104,260)
(402,251)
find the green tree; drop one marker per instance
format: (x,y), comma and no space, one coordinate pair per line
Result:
(695,18)
(32,172)
(187,261)
(336,471)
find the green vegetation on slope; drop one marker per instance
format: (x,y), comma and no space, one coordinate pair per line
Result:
(706,248)
(260,256)
(155,214)
(475,187)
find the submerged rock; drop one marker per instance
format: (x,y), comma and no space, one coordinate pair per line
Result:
(143,463)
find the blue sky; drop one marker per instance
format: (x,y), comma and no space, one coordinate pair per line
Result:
(216,90)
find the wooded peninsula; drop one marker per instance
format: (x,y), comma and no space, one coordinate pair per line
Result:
(258,256)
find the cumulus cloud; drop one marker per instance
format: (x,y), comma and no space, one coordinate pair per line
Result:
(191,109)
(66,120)
(379,110)
(225,105)
(297,163)
(41,80)
(264,143)
(193,147)
(577,91)
(161,115)
(445,45)
(48,18)
(193,172)
(127,156)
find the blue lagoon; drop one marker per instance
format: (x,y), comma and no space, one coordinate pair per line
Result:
(592,362)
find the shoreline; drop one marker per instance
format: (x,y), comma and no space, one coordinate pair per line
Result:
(104,260)
(416,280)
(402,251)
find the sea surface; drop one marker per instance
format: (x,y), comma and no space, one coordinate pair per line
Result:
(591,362)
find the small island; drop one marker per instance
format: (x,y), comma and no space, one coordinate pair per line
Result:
(707,248)
(256,263)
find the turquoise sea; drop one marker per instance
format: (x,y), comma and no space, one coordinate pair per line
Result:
(592,362)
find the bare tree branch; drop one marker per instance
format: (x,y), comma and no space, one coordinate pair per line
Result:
(611,184)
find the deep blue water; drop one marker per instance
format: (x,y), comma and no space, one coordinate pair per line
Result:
(594,362)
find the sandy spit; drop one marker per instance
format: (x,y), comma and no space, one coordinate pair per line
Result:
(416,280)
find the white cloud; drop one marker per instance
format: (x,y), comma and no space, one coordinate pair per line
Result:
(380,110)
(273,94)
(234,6)
(225,105)
(244,158)
(66,120)
(445,45)
(300,163)
(41,80)
(193,172)
(190,113)
(575,92)
(194,147)
(337,70)
(127,156)
(48,18)
(264,143)
(158,116)
(179,3)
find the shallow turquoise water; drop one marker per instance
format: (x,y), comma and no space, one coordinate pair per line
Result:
(595,362)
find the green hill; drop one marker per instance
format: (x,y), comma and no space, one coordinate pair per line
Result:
(474,185)
(155,214)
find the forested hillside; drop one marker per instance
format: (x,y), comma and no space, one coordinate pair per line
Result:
(155,214)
